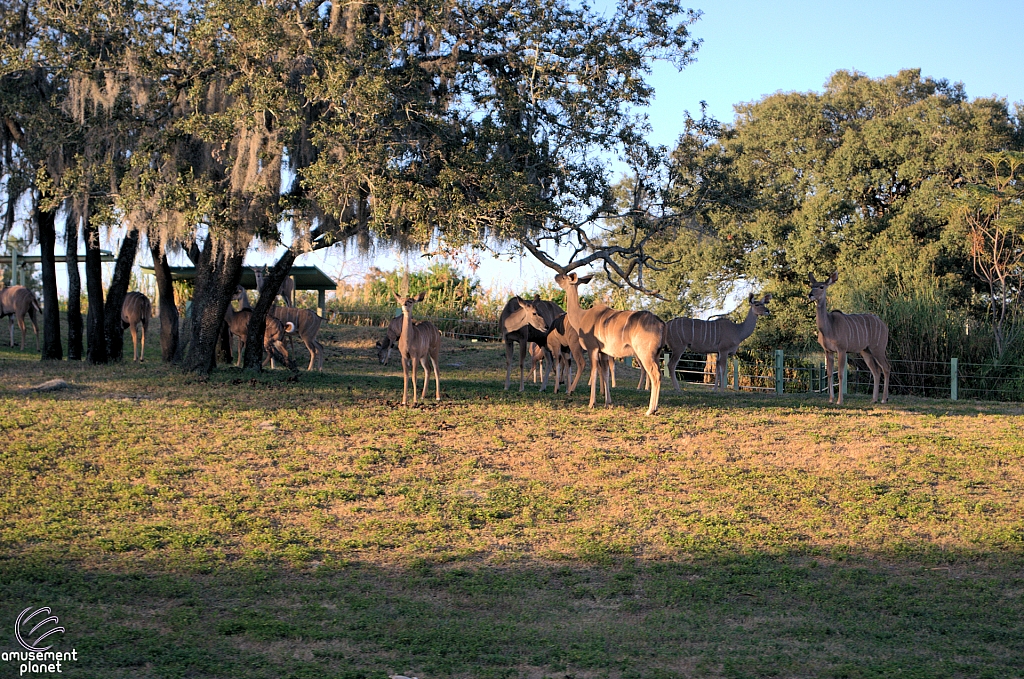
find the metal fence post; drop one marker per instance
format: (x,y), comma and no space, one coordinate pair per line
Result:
(668,371)
(953,385)
(736,373)
(846,377)
(778,371)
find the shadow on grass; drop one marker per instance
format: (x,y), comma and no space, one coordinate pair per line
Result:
(739,616)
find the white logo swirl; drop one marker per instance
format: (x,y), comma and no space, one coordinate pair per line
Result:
(23,620)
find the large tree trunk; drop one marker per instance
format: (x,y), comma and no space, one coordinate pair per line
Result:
(96,343)
(52,350)
(218,272)
(170,348)
(113,328)
(258,321)
(74,289)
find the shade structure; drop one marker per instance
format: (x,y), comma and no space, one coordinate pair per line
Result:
(306,278)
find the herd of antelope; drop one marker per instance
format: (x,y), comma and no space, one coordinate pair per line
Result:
(559,337)
(17,302)
(541,328)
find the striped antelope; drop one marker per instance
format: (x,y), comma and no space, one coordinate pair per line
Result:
(287,290)
(418,341)
(273,333)
(720,336)
(523,322)
(608,334)
(306,325)
(17,301)
(135,311)
(390,340)
(840,333)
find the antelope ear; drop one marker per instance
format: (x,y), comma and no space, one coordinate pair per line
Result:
(767,298)
(399,299)
(833,278)
(536,297)
(289,327)
(420,297)
(379,344)
(750,298)
(572,277)
(811,279)
(586,279)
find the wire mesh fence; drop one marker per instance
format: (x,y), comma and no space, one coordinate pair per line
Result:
(779,371)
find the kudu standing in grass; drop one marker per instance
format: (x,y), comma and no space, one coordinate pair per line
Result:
(17,301)
(273,334)
(840,333)
(721,337)
(287,290)
(563,345)
(418,341)
(537,355)
(608,334)
(523,322)
(390,340)
(135,311)
(306,325)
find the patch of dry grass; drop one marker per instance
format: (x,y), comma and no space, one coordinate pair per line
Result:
(139,469)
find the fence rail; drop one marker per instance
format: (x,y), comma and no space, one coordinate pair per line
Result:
(780,371)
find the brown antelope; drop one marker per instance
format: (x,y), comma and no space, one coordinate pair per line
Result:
(306,325)
(390,340)
(135,311)
(721,337)
(522,322)
(17,301)
(840,333)
(418,341)
(287,290)
(608,334)
(273,334)
(563,344)
(537,353)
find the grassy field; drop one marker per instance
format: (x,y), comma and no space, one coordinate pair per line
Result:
(275,527)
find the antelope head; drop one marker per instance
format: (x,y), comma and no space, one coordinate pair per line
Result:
(760,306)
(571,280)
(383,350)
(407,302)
(819,288)
(528,314)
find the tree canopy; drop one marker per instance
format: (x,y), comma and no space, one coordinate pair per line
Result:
(858,178)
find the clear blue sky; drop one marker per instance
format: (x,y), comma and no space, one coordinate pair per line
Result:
(753,48)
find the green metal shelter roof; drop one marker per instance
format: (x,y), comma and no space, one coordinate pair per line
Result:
(306,277)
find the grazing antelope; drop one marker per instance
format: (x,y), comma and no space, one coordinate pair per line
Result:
(608,334)
(721,337)
(418,341)
(522,322)
(840,333)
(135,311)
(273,334)
(17,301)
(537,353)
(287,290)
(306,325)
(390,340)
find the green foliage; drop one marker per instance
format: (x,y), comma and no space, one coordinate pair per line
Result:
(857,178)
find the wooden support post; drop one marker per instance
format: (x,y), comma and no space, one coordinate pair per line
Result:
(736,373)
(846,377)
(321,301)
